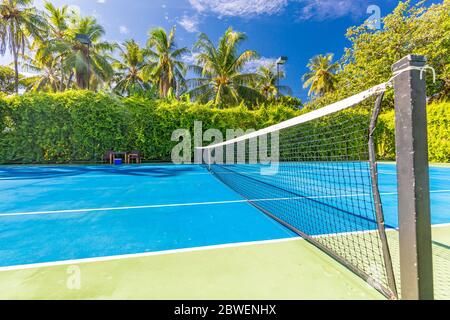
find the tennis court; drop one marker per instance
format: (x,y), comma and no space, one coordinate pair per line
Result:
(308,214)
(167,231)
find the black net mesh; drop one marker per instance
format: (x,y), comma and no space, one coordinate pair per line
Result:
(314,178)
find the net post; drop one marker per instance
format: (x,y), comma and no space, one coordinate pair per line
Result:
(416,264)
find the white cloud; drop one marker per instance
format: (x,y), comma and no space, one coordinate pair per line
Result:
(240,8)
(123,30)
(101,1)
(331,9)
(190,24)
(303,9)
(253,65)
(190,58)
(74,8)
(250,67)
(96,15)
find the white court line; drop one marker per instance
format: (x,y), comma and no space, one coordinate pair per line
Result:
(440,191)
(174,251)
(146,254)
(119,175)
(441,225)
(396,193)
(394,174)
(112,175)
(122,208)
(192,204)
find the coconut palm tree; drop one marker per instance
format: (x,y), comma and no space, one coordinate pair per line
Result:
(19,21)
(268,85)
(7,78)
(81,65)
(58,21)
(322,76)
(222,77)
(165,66)
(90,63)
(129,78)
(46,74)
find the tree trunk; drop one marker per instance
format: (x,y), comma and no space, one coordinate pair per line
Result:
(165,86)
(61,84)
(81,80)
(69,81)
(16,65)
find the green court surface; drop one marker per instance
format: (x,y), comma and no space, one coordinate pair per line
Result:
(286,269)
(441,260)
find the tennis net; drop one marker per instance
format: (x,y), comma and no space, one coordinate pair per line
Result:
(316,174)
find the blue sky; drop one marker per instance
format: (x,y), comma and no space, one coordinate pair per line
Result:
(298,29)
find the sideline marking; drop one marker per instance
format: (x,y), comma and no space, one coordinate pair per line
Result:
(174,251)
(192,204)
(146,254)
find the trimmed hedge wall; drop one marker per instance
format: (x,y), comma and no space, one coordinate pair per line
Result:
(438,133)
(79,126)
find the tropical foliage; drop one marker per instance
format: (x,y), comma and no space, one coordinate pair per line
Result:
(79,126)
(56,122)
(59,49)
(322,76)
(46,75)
(165,67)
(7,80)
(73,61)
(409,29)
(18,22)
(129,76)
(222,78)
(269,82)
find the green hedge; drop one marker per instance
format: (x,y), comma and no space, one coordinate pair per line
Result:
(79,126)
(438,133)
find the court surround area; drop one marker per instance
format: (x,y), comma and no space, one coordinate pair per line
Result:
(173,232)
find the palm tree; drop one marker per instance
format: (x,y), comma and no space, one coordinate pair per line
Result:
(222,78)
(165,66)
(322,76)
(19,20)
(58,21)
(129,78)
(89,64)
(46,74)
(268,85)
(7,78)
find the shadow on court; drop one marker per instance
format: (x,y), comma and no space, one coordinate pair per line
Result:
(38,173)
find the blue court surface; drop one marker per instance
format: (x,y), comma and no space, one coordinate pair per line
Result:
(58,213)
